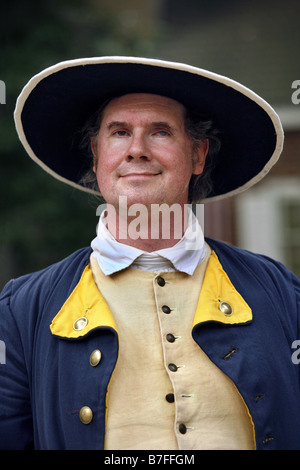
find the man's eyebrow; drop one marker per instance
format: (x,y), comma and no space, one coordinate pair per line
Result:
(163,124)
(114,124)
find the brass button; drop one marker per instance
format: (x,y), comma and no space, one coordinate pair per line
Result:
(80,323)
(85,415)
(226,308)
(95,358)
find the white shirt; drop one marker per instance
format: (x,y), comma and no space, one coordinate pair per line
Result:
(184,256)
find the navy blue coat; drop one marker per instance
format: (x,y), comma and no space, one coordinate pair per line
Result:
(47,378)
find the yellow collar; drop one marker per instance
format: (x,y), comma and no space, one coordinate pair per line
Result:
(85,302)
(219,300)
(85,309)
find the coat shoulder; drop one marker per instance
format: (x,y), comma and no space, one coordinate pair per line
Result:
(254,274)
(41,283)
(236,256)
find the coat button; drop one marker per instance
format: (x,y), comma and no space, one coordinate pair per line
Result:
(160,281)
(95,358)
(80,323)
(226,308)
(172,367)
(85,415)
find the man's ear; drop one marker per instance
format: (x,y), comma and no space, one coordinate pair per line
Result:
(200,156)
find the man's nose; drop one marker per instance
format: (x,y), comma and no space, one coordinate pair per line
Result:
(138,149)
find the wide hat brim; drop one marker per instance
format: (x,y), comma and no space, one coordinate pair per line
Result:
(55,104)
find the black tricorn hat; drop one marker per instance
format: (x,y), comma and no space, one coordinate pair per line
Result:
(54,106)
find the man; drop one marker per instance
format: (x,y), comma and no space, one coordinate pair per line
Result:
(148,341)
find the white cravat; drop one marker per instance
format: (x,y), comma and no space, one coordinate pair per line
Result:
(184,256)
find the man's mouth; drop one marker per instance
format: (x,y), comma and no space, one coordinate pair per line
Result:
(141,175)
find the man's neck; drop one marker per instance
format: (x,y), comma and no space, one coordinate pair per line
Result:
(148,245)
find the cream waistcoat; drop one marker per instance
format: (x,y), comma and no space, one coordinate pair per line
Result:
(207,412)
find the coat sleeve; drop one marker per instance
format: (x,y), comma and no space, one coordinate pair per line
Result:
(16,429)
(296,341)
(297,290)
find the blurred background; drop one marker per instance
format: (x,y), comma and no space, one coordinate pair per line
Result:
(256,42)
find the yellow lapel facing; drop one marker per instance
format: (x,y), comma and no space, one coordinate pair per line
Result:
(219,301)
(84,310)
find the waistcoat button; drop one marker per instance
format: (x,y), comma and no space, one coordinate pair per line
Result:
(166,309)
(170,397)
(85,415)
(95,358)
(170,338)
(182,428)
(160,281)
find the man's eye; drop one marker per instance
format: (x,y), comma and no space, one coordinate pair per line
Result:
(120,133)
(163,133)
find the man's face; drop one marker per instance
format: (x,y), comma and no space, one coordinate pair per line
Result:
(144,153)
